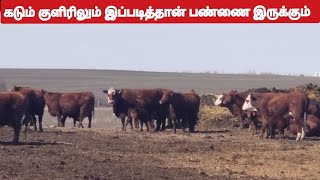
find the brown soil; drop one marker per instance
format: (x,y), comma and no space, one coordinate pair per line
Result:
(100,153)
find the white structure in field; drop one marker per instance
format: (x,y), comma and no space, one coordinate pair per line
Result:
(316,74)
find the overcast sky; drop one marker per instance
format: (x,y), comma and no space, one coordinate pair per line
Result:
(228,48)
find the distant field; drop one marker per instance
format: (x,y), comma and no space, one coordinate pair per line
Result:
(97,80)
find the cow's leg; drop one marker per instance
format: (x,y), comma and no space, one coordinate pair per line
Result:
(281,133)
(252,128)
(127,121)
(90,119)
(141,125)
(133,122)
(263,128)
(174,125)
(63,121)
(123,119)
(158,121)
(170,123)
(136,125)
(300,132)
(192,122)
(148,124)
(40,116)
(59,120)
(183,124)
(16,134)
(74,122)
(272,131)
(17,122)
(34,122)
(163,123)
(80,125)
(241,123)
(152,124)
(254,123)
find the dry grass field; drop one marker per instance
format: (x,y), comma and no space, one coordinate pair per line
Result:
(220,151)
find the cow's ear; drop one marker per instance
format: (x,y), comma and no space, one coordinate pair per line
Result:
(105,91)
(119,91)
(253,97)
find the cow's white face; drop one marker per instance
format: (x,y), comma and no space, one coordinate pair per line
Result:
(247,106)
(219,100)
(111,94)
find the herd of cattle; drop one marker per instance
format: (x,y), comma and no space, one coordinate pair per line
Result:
(276,110)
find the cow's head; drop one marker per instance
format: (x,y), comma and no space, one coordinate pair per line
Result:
(20,88)
(230,97)
(247,106)
(289,118)
(16,88)
(112,94)
(167,96)
(219,99)
(45,94)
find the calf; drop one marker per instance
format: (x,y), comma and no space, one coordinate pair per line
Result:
(76,105)
(139,115)
(274,106)
(312,127)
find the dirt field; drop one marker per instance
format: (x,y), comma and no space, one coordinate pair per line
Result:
(106,152)
(102,153)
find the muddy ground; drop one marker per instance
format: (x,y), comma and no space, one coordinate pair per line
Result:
(109,153)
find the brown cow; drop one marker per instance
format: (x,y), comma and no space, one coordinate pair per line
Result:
(36,106)
(274,106)
(184,106)
(75,105)
(13,111)
(147,99)
(312,128)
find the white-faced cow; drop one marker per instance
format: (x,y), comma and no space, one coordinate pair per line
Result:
(234,101)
